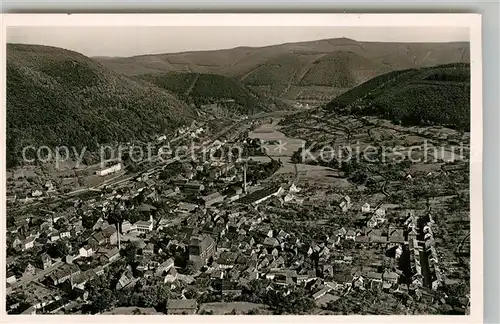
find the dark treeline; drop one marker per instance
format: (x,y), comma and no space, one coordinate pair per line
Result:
(429,96)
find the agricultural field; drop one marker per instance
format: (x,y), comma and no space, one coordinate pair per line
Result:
(221,308)
(426,171)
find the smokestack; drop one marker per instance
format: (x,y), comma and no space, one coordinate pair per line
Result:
(245,177)
(118,226)
(119,235)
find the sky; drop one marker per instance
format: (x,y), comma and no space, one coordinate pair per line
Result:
(130,41)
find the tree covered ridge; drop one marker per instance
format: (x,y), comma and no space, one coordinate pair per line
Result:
(58,97)
(427,96)
(202,88)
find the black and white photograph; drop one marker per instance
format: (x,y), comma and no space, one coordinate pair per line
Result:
(245,169)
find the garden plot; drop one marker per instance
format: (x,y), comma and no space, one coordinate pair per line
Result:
(221,308)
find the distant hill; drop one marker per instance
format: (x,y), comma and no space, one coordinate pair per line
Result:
(200,89)
(58,97)
(304,71)
(428,96)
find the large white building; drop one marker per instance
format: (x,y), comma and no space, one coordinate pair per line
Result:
(144,226)
(111,169)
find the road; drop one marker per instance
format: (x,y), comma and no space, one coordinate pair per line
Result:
(39,275)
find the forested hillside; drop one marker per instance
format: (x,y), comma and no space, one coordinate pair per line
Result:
(312,71)
(428,96)
(200,89)
(57,97)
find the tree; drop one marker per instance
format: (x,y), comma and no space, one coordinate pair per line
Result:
(149,297)
(338,306)
(190,268)
(455,292)
(116,217)
(89,221)
(205,312)
(190,294)
(132,216)
(102,301)
(130,252)
(297,302)
(253,311)
(60,249)
(61,223)
(156,296)
(297,156)
(458,203)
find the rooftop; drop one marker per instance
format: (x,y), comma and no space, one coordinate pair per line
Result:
(259,194)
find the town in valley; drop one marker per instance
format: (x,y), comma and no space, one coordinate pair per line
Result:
(247,213)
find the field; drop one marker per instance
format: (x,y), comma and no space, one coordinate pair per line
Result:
(435,177)
(284,147)
(221,308)
(132,311)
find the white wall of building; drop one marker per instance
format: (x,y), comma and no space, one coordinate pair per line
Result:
(114,168)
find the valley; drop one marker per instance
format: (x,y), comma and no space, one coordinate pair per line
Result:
(326,177)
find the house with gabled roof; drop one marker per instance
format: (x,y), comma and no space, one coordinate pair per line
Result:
(164,267)
(25,243)
(110,234)
(343,279)
(97,239)
(350,235)
(374,276)
(11,277)
(170,276)
(271,242)
(345,204)
(30,270)
(227,260)
(111,255)
(54,236)
(64,273)
(396,235)
(86,251)
(126,280)
(362,240)
(201,249)
(148,249)
(391,277)
(365,208)
(45,261)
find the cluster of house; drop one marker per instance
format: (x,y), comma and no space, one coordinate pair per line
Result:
(234,249)
(194,130)
(228,240)
(100,244)
(299,105)
(423,255)
(66,275)
(37,192)
(66,181)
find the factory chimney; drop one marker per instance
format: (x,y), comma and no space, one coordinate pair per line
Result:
(245,178)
